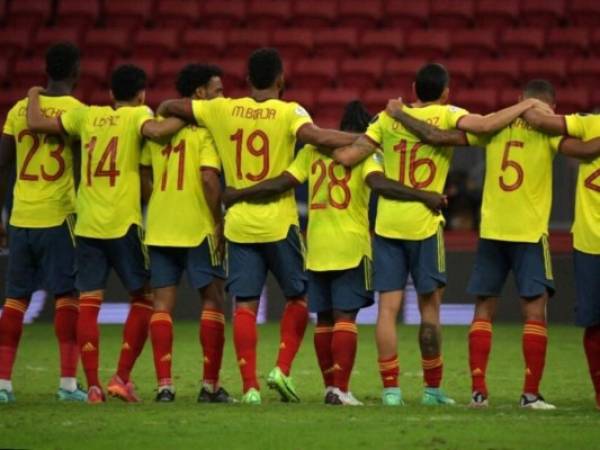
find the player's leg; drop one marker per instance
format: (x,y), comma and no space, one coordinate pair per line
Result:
(389,278)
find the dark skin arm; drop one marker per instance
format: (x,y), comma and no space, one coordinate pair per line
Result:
(354,153)
(158,129)
(8,152)
(212,192)
(181,108)
(548,123)
(146,180)
(576,148)
(261,191)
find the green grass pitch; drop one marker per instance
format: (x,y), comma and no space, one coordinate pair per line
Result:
(38,421)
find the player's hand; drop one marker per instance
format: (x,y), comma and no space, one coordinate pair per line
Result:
(229,196)
(541,106)
(394,106)
(435,201)
(219,240)
(35,90)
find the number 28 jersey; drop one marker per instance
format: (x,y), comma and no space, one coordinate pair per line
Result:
(255,142)
(413,164)
(108,199)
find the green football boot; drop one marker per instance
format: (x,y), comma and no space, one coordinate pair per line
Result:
(251,397)
(284,385)
(78,395)
(435,397)
(6,396)
(392,396)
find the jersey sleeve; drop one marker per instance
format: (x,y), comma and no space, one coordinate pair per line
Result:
(454,114)
(144,115)
(555,142)
(9,124)
(372,164)
(209,157)
(298,117)
(72,121)
(374,131)
(201,110)
(575,125)
(299,167)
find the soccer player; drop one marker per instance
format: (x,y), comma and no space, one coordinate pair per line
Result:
(108,230)
(41,224)
(339,245)
(408,235)
(183,229)
(255,139)
(586,232)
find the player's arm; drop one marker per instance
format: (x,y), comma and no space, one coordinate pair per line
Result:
(354,153)
(545,121)
(157,129)
(181,107)
(576,148)
(36,121)
(8,152)
(394,190)
(490,123)
(323,137)
(146,182)
(261,191)
(76,152)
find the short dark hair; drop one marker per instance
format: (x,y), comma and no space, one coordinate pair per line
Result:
(194,76)
(356,118)
(431,81)
(62,61)
(126,81)
(539,87)
(264,66)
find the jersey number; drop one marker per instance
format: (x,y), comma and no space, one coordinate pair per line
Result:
(509,164)
(589,181)
(414,164)
(324,170)
(257,144)
(180,150)
(35,145)
(110,155)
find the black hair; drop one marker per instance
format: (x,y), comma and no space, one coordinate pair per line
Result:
(62,61)
(431,81)
(264,66)
(126,81)
(194,76)
(539,87)
(356,118)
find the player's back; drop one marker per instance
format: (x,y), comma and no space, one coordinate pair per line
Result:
(44,189)
(255,141)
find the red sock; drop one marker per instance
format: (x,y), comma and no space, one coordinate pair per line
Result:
(292,328)
(244,340)
(480,344)
(432,371)
(212,339)
(591,344)
(389,369)
(65,328)
(11,329)
(88,337)
(161,334)
(535,341)
(343,346)
(322,340)
(135,334)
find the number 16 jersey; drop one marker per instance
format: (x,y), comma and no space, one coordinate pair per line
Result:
(255,142)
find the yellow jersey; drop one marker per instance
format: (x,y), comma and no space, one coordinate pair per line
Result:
(586,227)
(413,164)
(44,193)
(338,235)
(108,198)
(255,142)
(517,191)
(178,215)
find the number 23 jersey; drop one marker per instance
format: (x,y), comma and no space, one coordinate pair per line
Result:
(255,142)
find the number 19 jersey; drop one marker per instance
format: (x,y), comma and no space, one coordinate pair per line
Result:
(108,199)
(413,164)
(255,142)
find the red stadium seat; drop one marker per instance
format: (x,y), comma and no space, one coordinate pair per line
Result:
(584,72)
(428,44)
(202,44)
(99,97)
(477,101)
(542,13)
(234,73)
(14,42)
(2,12)
(497,73)
(93,73)
(314,13)
(107,42)
(384,44)
(81,93)
(573,100)
(130,14)
(404,15)
(314,74)
(304,97)
(376,99)
(522,43)
(154,97)
(473,43)
(451,14)
(461,72)
(331,102)
(159,43)
(177,13)
(29,72)
(29,13)
(4,71)
(360,73)
(224,15)
(554,70)
(595,101)
(8,98)
(497,14)
(568,43)
(509,97)
(77,13)
(147,64)
(168,69)
(360,14)
(336,43)
(240,43)
(584,13)
(46,37)
(595,42)
(293,43)
(400,74)
(269,14)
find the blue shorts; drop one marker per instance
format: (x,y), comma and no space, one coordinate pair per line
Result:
(587,287)
(394,259)
(247,266)
(342,290)
(530,262)
(41,258)
(168,263)
(127,255)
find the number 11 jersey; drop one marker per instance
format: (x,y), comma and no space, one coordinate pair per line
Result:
(255,141)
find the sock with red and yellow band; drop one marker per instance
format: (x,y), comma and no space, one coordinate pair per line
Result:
(322,341)
(433,369)
(161,334)
(389,369)
(292,328)
(212,339)
(65,328)
(480,344)
(245,340)
(535,342)
(88,337)
(343,347)
(11,329)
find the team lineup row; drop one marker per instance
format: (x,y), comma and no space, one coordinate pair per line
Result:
(173,161)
